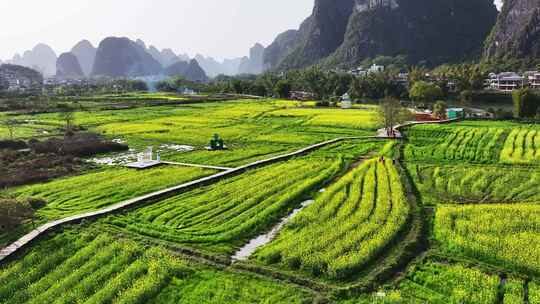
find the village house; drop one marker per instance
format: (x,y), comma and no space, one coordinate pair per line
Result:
(534,80)
(507,81)
(364,72)
(302,96)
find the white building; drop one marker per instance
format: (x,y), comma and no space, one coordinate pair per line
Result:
(363,72)
(346,101)
(507,81)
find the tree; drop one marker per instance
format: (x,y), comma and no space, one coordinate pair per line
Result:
(68,116)
(439,109)
(315,81)
(376,86)
(13,213)
(392,113)
(10,125)
(417,74)
(526,103)
(423,91)
(283,89)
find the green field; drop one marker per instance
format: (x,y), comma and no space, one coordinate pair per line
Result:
(251,129)
(506,235)
(462,184)
(347,226)
(449,214)
(97,190)
(94,267)
(224,215)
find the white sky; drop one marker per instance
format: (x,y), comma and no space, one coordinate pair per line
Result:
(218,28)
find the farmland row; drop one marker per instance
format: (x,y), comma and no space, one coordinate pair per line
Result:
(503,235)
(440,283)
(481,145)
(223,215)
(76,267)
(522,147)
(473,184)
(347,226)
(89,192)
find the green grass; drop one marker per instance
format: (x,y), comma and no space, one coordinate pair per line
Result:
(93,267)
(346,228)
(502,235)
(224,215)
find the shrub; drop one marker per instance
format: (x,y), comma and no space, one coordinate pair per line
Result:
(13,144)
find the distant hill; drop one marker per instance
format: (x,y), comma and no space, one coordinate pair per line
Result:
(517,32)
(68,67)
(86,54)
(191,71)
(42,58)
(213,67)
(344,33)
(121,57)
(282,46)
(255,63)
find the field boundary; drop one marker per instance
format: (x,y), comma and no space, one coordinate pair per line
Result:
(43,229)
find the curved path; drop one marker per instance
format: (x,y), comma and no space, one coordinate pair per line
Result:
(28,238)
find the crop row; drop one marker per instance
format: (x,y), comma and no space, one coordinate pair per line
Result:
(347,227)
(98,270)
(92,267)
(534,293)
(473,184)
(441,283)
(96,190)
(513,291)
(481,145)
(522,147)
(504,235)
(226,213)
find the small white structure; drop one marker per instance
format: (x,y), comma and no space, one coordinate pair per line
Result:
(346,102)
(145,160)
(376,69)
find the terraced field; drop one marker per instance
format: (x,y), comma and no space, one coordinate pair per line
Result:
(96,190)
(93,191)
(347,226)
(223,215)
(95,267)
(440,283)
(461,184)
(504,235)
(450,215)
(436,143)
(522,147)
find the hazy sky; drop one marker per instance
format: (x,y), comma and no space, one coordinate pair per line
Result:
(219,28)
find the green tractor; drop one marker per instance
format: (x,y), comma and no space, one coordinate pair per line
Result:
(216,143)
